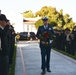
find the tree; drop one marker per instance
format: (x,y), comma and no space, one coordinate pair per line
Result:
(46,11)
(70,24)
(38,23)
(56,19)
(28,14)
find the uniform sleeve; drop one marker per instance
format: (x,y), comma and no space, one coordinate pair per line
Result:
(38,33)
(53,32)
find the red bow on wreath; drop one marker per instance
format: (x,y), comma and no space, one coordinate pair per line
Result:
(46,35)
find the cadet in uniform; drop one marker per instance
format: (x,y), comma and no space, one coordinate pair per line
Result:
(4,50)
(11,38)
(45,50)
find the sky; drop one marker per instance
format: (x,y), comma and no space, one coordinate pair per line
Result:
(19,6)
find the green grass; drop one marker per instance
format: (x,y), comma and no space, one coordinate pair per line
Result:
(74,57)
(12,69)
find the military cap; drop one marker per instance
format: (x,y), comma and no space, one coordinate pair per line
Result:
(45,18)
(3,18)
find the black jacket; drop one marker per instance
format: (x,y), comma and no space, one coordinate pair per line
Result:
(41,30)
(4,41)
(11,37)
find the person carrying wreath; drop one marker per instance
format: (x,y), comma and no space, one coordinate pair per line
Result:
(45,35)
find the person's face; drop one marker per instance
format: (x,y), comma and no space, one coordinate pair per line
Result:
(4,23)
(45,22)
(67,31)
(8,23)
(75,29)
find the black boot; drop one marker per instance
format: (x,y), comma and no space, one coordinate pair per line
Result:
(43,72)
(48,70)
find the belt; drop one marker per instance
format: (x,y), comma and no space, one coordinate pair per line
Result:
(45,43)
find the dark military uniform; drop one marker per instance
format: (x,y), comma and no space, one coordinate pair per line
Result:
(45,50)
(74,42)
(4,52)
(63,41)
(72,50)
(12,43)
(58,40)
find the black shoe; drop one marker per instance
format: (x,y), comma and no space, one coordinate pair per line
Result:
(43,72)
(48,70)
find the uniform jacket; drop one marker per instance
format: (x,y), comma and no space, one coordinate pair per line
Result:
(41,29)
(4,50)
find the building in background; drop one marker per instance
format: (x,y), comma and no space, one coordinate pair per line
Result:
(29,24)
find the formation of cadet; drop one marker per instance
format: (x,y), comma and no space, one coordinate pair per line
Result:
(7,41)
(66,40)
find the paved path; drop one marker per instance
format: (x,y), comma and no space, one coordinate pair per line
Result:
(28,61)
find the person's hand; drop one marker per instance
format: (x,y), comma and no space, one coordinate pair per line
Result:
(43,42)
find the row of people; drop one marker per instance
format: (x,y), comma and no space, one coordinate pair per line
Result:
(7,41)
(66,40)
